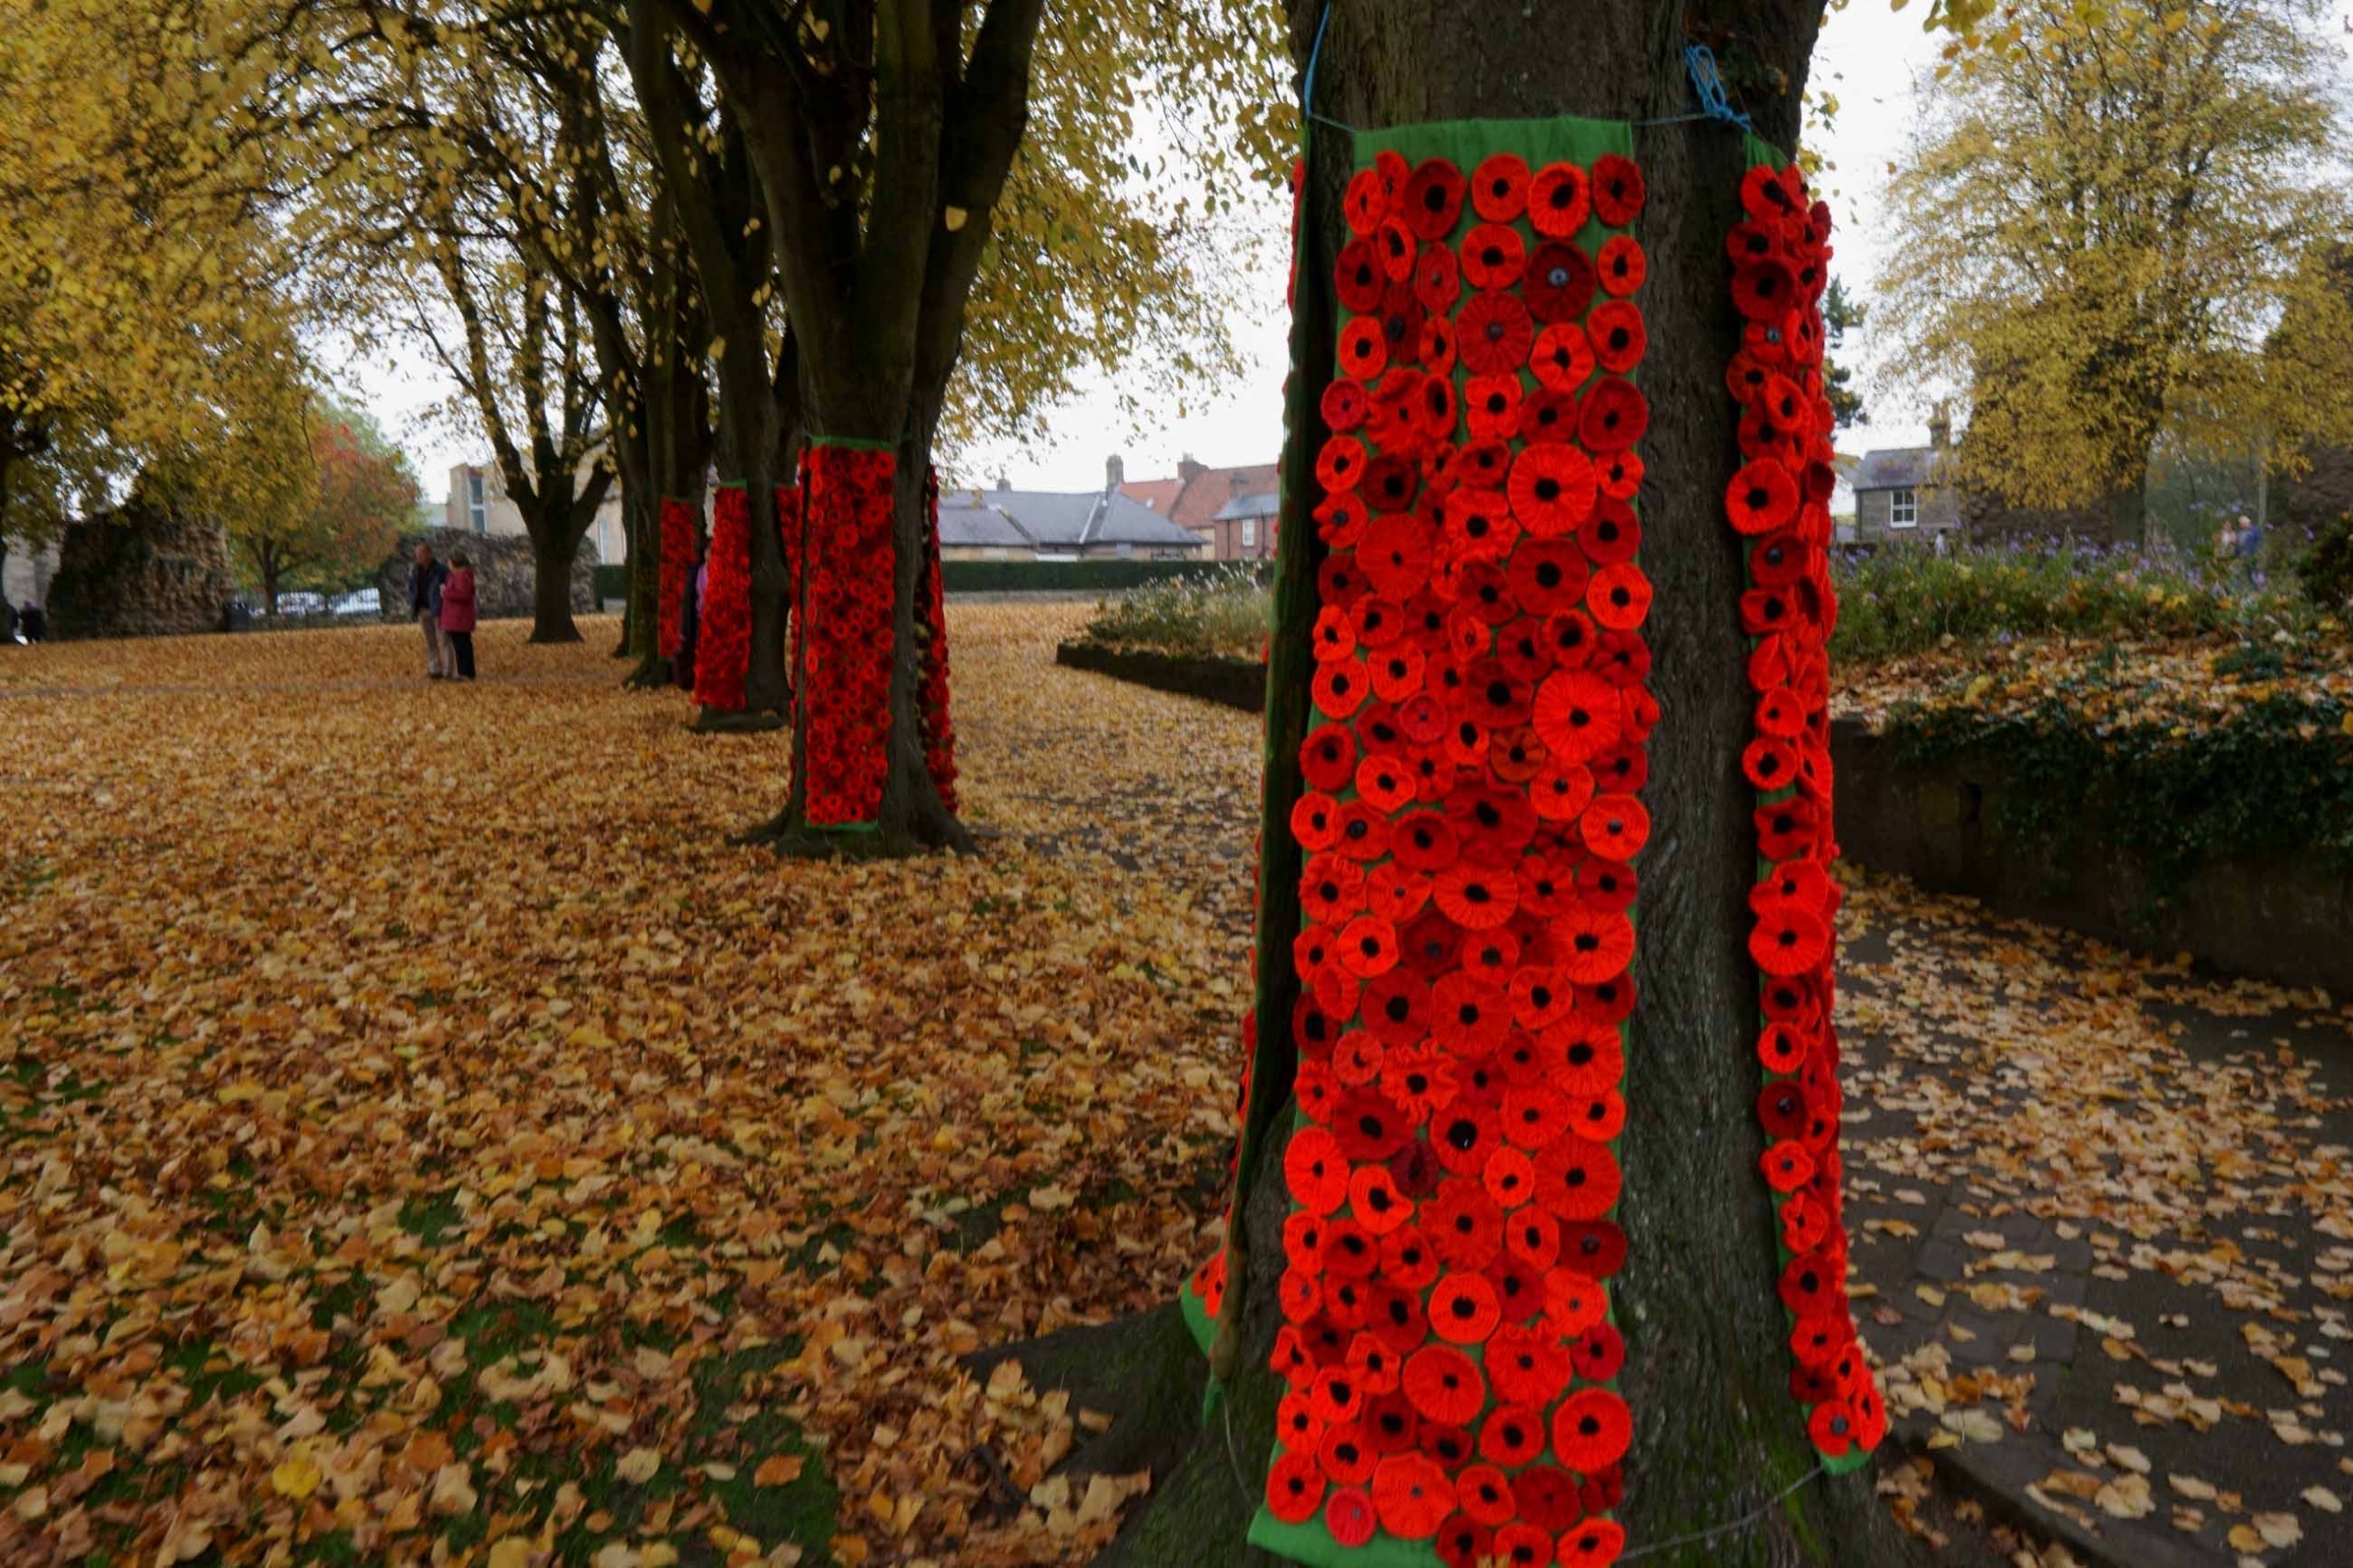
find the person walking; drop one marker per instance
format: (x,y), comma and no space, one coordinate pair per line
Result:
(457,616)
(426,577)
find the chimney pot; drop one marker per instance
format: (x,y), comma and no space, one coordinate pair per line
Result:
(1115,472)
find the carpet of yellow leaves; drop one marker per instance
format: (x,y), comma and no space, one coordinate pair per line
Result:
(423,1136)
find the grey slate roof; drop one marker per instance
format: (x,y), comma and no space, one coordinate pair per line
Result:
(1264,506)
(1054,520)
(973,525)
(1895,468)
(1058,520)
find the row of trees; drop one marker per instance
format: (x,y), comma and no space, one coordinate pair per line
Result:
(2121,233)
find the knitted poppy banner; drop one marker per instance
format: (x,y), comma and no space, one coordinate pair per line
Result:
(846,612)
(1779,503)
(677,572)
(1472,808)
(939,731)
(724,637)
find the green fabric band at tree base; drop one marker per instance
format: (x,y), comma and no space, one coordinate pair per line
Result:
(729,484)
(853,443)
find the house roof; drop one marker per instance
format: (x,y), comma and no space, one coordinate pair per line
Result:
(1159,494)
(1208,491)
(1262,506)
(1048,520)
(965,520)
(1895,468)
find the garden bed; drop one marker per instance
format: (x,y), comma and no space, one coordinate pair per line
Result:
(1235,682)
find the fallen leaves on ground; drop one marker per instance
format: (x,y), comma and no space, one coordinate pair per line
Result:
(2106,684)
(419,1128)
(2054,1146)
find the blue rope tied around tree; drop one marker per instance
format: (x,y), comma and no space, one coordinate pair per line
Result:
(1708,82)
(1699,62)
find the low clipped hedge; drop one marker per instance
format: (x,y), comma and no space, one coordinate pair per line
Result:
(1073,577)
(612,582)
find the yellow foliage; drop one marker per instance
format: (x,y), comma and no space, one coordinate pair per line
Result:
(2106,213)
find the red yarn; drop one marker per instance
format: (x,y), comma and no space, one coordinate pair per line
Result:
(677,575)
(723,640)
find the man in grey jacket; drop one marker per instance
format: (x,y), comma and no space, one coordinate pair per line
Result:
(425,579)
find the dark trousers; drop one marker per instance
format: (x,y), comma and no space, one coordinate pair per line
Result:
(462,644)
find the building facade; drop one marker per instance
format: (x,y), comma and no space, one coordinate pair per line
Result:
(1230,510)
(478,504)
(1900,495)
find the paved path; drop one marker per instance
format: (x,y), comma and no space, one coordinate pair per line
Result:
(2103,1215)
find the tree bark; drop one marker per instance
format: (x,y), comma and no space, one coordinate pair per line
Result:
(552,553)
(1718,1436)
(2128,509)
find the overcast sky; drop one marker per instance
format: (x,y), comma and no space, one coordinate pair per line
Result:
(1869,59)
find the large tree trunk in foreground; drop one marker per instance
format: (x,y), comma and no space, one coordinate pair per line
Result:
(1718,1436)
(552,553)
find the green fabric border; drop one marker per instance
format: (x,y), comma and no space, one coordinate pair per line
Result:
(1312,1546)
(853,443)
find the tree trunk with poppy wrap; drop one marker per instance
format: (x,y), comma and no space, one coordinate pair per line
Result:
(875,278)
(1718,1446)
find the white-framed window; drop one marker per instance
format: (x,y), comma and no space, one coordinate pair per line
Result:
(477,511)
(1249,533)
(1904,509)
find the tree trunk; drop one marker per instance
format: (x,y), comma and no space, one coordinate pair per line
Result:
(553,552)
(2128,509)
(1718,1436)
(641,635)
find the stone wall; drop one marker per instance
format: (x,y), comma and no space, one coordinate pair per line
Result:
(2286,920)
(503,573)
(141,570)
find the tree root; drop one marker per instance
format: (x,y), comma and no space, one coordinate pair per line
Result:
(653,674)
(741,721)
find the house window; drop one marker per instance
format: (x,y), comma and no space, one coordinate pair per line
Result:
(477,513)
(1249,533)
(1904,509)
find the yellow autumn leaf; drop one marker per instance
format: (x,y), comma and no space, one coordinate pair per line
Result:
(779,1470)
(297,1478)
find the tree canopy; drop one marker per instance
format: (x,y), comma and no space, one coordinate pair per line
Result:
(2105,210)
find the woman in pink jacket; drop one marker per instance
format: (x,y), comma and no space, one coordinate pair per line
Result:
(458,615)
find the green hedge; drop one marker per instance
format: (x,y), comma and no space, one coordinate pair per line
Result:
(2276,778)
(1070,576)
(612,582)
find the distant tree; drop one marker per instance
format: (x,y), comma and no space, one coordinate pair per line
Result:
(361,496)
(1840,313)
(2105,209)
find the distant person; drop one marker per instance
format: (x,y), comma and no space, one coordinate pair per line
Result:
(426,577)
(34,623)
(457,616)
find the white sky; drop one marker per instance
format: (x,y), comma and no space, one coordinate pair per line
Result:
(1868,60)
